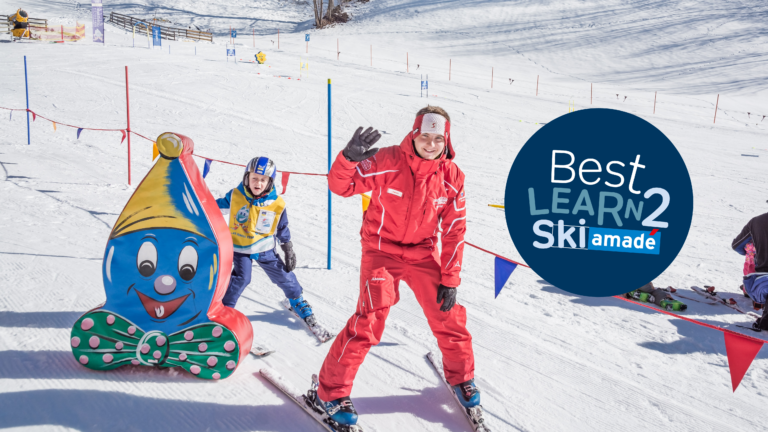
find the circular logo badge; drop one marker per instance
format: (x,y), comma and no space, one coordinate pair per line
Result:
(598,202)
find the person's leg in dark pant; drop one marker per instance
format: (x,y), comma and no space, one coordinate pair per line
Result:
(241,277)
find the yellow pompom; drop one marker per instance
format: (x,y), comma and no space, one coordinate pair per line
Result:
(169,145)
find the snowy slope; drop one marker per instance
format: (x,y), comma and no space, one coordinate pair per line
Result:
(546,360)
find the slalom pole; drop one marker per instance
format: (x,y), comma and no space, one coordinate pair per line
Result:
(329,170)
(713,121)
(654,101)
(128,130)
(26,86)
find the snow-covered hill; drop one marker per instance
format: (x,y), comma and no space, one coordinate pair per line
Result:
(546,360)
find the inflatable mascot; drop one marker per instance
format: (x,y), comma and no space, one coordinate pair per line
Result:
(166,268)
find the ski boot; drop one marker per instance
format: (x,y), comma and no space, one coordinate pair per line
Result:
(641,296)
(468,394)
(304,310)
(673,305)
(341,414)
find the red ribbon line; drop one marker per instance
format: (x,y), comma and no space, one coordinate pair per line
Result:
(241,165)
(693,320)
(487,251)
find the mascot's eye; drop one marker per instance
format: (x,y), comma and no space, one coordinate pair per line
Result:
(188,263)
(146,260)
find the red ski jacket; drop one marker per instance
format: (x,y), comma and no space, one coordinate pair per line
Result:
(410,196)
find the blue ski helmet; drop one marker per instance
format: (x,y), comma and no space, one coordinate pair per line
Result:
(262,165)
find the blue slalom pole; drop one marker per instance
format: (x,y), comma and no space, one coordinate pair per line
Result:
(26,86)
(329,170)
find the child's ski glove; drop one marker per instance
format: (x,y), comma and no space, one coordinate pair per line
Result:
(359,147)
(290,256)
(448,296)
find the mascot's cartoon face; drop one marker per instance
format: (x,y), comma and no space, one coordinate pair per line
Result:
(160,278)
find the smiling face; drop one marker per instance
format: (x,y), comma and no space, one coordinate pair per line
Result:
(160,279)
(429,146)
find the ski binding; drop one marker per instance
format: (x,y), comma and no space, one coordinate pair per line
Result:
(474,414)
(307,401)
(321,333)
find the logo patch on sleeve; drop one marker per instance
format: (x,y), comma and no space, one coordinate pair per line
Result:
(366,164)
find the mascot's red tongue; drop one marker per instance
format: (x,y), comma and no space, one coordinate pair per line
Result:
(158,309)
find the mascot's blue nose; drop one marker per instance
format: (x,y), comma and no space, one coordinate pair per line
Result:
(165,284)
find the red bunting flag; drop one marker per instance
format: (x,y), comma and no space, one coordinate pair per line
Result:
(284,179)
(121,141)
(740,351)
(34,116)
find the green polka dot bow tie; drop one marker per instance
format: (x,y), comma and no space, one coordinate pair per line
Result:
(103,340)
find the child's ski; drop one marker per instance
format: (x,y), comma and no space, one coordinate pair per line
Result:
(474,414)
(676,293)
(261,351)
(317,329)
(305,401)
(713,296)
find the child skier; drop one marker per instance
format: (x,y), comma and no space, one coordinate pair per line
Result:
(416,188)
(257,215)
(756,283)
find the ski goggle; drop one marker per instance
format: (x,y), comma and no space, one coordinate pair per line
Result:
(262,165)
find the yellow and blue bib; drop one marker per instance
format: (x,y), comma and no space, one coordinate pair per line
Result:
(253,222)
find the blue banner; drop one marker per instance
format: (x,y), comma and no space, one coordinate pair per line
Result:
(230,52)
(156,40)
(621,240)
(306,37)
(206,167)
(234,33)
(502,270)
(98,21)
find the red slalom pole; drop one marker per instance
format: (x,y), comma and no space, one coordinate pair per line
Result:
(654,102)
(128,112)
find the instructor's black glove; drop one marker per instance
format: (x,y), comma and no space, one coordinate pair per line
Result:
(290,256)
(447,295)
(359,147)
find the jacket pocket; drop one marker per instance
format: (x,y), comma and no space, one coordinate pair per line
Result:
(379,292)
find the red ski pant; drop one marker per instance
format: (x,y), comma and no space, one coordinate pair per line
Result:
(380,276)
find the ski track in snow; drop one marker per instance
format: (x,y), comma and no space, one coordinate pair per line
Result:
(546,360)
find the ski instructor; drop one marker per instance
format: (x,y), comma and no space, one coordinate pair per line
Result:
(416,189)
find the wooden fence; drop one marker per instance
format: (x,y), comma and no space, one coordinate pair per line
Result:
(170,33)
(6,25)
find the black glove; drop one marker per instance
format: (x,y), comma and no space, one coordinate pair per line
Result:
(447,295)
(359,147)
(290,256)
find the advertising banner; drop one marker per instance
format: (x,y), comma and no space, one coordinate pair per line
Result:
(98,21)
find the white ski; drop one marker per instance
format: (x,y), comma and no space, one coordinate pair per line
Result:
(321,333)
(304,402)
(261,351)
(704,293)
(474,414)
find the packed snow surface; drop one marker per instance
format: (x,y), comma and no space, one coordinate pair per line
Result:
(546,360)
